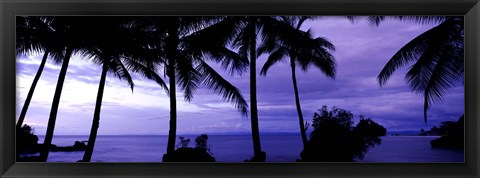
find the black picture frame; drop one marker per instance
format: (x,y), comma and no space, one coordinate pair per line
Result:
(11,8)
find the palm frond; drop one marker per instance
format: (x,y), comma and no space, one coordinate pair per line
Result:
(121,72)
(267,46)
(212,41)
(191,24)
(424,20)
(187,76)
(215,81)
(406,55)
(419,74)
(219,33)
(242,40)
(322,60)
(440,80)
(146,71)
(299,45)
(376,20)
(31,34)
(35,34)
(275,57)
(438,57)
(322,42)
(230,61)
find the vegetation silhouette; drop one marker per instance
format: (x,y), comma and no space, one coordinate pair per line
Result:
(183,153)
(33,35)
(247,32)
(435,57)
(303,50)
(201,143)
(73,31)
(180,44)
(451,132)
(27,143)
(335,139)
(182,47)
(114,45)
(184,43)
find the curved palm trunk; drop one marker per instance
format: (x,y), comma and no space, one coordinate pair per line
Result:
(173,109)
(297,103)
(53,112)
(32,89)
(96,116)
(257,149)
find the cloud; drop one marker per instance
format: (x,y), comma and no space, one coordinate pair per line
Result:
(362,51)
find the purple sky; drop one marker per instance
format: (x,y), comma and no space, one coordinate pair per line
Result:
(362,51)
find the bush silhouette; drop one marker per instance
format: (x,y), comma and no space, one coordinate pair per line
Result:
(183,153)
(335,139)
(26,140)
(452,134)
(183,142)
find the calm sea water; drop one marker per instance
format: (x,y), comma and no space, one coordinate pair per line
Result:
(279,148)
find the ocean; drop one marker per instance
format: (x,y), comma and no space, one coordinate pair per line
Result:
(237,148)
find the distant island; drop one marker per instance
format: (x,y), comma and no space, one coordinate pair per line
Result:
(404,133)
(27,143)
(451,134)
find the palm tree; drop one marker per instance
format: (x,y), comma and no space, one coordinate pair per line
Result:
(247,32)
(436,58)
(33,34)
(113,45)
(73,31)
(186,43)
(243,33)
(245,40)
(302,50)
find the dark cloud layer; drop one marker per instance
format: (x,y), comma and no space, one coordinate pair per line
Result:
(362,51)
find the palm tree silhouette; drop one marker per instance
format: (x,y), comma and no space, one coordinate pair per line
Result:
(245,40)
(114,46)
(186,43)
(436,57)
(73,32)
(302,50)
(248,30)
(33,34)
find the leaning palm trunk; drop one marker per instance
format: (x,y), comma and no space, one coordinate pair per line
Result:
(173,110)
(32,89)
(297,103)
(259,156)
(303,50)
(96,116)
(53,112)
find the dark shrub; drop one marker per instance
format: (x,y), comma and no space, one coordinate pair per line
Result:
(201,153)
(26,140)
(452,134)
(335,139)
(189,154)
